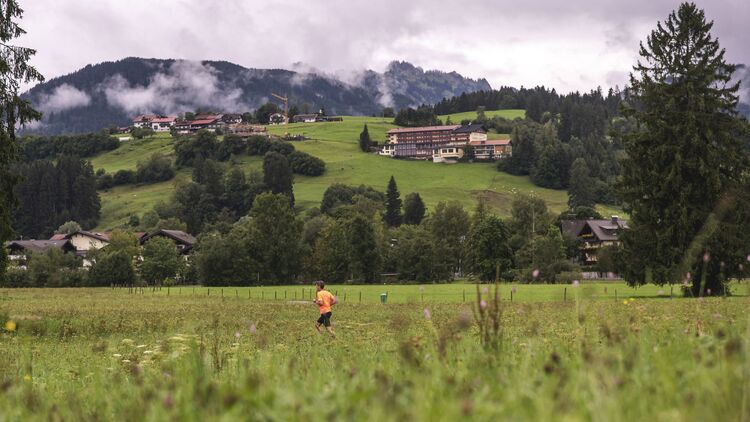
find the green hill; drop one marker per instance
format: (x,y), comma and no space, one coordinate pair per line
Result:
(471,115)
(336,143)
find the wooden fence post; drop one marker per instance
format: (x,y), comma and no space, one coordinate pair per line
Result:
(565,294)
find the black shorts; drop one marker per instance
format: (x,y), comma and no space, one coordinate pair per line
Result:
(325,319)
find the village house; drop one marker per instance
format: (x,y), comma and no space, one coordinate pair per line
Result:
(19,250)
(232,118)
(183,241)
(315,118)
(593,235)
(209,122)
(491,149)
(154,122)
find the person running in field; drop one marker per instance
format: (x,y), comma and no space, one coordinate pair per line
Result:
(325,300)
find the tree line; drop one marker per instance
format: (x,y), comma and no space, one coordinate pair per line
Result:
(33,147)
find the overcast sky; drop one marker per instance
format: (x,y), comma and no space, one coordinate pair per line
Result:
(568,45)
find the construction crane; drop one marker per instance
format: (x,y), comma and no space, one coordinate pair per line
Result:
(285,100)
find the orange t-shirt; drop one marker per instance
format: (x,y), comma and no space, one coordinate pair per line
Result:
(325,300)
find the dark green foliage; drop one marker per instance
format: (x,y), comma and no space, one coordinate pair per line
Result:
(364,140)
(112,268)
(448,225)
(231,145)
(489,254)
(388,112)
(339,194)
(413,255)
(365,259)
(283,148)
(125,177)
(274,234)
(161,260)
(157,168)
(258,145)
(277,175)
(543,259)
(84,145)
(581,186)
(414,209)
(14,71)
(51,194)
(552,168)
(683,175)
(526,138)
(305,164)
(392,215)
(202,145)
(141,132)
(330,258)
(422,116)
(54,268)
(68,227)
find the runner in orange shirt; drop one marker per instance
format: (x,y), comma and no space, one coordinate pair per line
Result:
(324,299)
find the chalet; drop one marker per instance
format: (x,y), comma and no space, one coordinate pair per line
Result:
(231,119)
(594,234)
(182,240)
(84,241)
(276,119)
(468,133)
(305,118)
(210,124)
(19,250)
(491,149)
(154,122)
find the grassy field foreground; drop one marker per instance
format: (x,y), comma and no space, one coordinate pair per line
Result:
(101,354)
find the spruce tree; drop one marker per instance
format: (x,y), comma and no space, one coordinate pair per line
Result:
(581,186)
(14,70)
(414,209)
(277,175)
(684,166)
(364,140)
(392,205)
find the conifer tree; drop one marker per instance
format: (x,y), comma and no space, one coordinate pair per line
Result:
(414,209)
(581,186)
(392,205)
(684,166)
(364,140)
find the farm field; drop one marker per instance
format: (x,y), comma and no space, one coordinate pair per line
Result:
(103,354)
(336,144)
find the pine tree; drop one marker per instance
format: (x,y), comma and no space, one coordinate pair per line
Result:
(14,70)
(392,215)
(277,175)
(364,253)
(364,140)
(414,209)
(684,167)
(581,186)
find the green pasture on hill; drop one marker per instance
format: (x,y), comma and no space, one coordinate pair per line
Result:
(337,144)
(509,114)
(103,354)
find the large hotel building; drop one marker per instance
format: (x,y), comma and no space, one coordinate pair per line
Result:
(441,143)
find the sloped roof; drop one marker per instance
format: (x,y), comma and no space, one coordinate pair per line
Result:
(447,128)
(603,230)
(500,142)
(58,236)
(470,129)
(176,235)
(571,228)
(203,122)
(39,245)
(103,236)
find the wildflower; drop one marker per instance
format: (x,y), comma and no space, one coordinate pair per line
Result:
(126,361)
(535,273)
(485,290)
(10,325)
(148,352)
(514,290)
(483,304)
(706,257)
(27,377)
(140,346)
(426,313)
(252,329)
(610,275)
(237,335)
(575,283)
(117,355)
(708,291)
(625,302)
(748,258)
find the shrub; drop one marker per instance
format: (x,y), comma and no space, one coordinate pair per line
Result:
(124,177)
(306,164)
(157,168)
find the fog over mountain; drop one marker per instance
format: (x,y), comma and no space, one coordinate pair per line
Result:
(111,93)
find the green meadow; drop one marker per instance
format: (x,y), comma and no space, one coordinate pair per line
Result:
(336,143)
(114,354)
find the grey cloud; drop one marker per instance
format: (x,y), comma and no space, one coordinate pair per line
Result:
(62,98)
(476,38)
(185,85)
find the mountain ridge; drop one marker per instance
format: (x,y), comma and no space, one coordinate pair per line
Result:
(112,92)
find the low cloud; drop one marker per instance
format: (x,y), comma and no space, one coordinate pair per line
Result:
(62,98)
(184,85)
